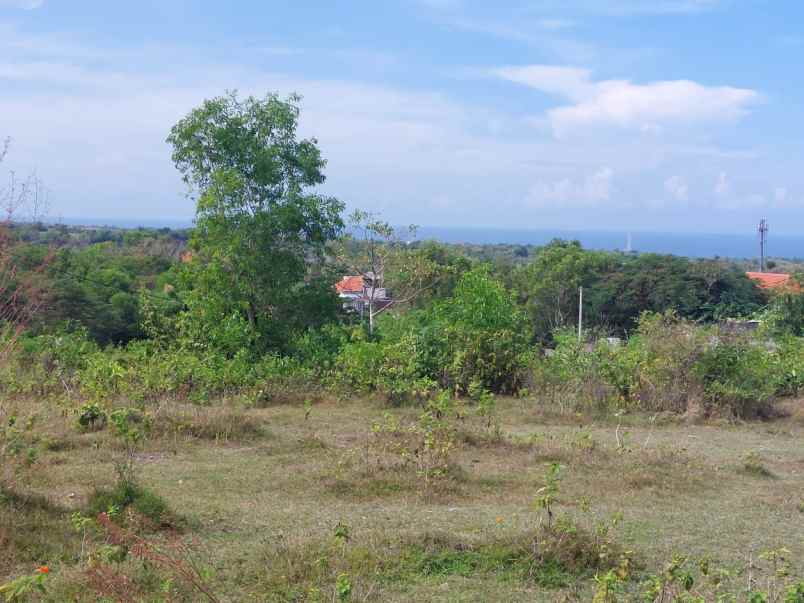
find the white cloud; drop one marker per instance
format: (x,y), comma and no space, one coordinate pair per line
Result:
(677,188)
(590,190)
(571,82)
(722,185)
(23,4)
(93,123)
(780,194)
(598,187)
(621,103)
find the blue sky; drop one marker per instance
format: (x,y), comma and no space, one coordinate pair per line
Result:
(679,115)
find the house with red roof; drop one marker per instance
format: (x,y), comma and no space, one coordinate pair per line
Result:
(772,281)
(357,291)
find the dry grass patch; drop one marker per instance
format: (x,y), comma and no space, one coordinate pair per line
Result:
(216,423)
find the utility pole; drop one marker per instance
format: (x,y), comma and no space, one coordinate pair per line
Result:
(763,238)
(580,313)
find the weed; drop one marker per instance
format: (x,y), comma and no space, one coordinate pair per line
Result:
(753,465)
(20,589)
(547,495)
(91,417)
(127,494)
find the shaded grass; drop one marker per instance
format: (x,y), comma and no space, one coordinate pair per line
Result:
(33,531)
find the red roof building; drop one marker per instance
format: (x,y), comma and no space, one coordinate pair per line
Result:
(773,281)
(350,284)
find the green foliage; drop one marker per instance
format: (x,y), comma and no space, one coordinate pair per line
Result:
(22,588)
(619,288)
(739,375)
(548,285)
(99,288)
(125,494)
(547,495)
(671,364)
(475,336)
(259,237)
(91,417)
(785,314)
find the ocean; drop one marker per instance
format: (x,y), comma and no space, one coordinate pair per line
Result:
(695,245)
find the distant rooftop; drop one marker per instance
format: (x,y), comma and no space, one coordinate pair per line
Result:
(350,284)
(771,280)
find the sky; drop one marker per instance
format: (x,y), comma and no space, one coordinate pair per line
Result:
(663,115)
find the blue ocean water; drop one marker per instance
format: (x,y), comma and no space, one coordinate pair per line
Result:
(694,245)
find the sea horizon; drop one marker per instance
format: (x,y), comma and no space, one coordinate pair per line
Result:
(694,245)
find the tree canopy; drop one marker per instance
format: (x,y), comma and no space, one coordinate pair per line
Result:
(261,227)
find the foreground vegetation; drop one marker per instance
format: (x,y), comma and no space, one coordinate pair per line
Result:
(198,416)
(346,500)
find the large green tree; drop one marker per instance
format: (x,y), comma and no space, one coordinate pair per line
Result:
(548,286)
(261,227)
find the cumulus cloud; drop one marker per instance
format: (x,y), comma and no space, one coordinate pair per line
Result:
(677,188)
(622,103)
(592,189)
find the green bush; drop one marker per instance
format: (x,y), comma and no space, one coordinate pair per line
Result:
(670,364)
(477,335)
(128,494)
(739,376)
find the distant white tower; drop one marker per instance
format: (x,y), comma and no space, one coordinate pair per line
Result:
(628,243)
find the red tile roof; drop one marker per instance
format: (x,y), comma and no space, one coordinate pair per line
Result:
(350,284)
(769,280)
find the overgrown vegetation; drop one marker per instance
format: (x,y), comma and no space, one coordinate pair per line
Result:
(226,346)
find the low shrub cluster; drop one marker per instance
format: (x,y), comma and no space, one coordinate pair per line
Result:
(69,364)
(670,365)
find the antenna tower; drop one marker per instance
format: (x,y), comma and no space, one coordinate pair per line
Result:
(763,240)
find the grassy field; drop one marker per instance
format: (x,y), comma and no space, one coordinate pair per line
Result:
(295,503)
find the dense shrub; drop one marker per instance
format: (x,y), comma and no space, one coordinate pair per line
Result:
(477,335)
(670,364)
(739,376)
(71,364)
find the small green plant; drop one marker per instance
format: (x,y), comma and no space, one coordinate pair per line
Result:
(795,593)
(91,417)
(487,409)
(343,587)
(608,585)
(547,495)
(81,525)
(342,533)
(753,465)
(20,589)
(125,494)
